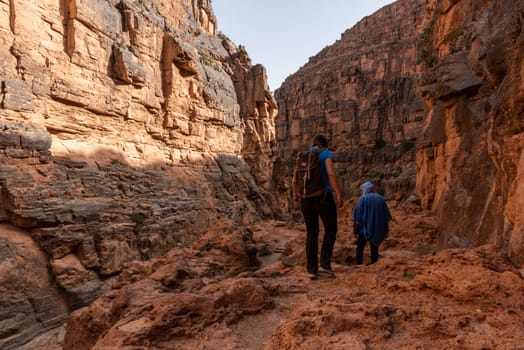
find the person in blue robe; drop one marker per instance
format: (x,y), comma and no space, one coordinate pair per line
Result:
(370,221)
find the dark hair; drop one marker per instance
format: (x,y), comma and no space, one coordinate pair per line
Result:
(320,140)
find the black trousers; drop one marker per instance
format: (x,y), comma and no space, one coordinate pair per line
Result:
(361,243)
(323,207)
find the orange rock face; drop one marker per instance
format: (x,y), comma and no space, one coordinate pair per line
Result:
(126,128)
(144,79)
(425,99)
(362,92)
(470,156)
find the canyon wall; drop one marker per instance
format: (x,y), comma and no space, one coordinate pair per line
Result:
(126,128)
(362,93)
(425,98)
(470,157)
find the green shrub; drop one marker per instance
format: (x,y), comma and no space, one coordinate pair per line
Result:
(451,36)
(205,59)
(408,145)
(138,218)
(265,250)
(425,51)
(223,36)
(380,143)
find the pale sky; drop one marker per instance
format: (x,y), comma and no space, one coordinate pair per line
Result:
(283,34)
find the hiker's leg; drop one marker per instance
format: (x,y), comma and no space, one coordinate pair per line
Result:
(374,253)
(328,214)
(311,220)
(361,243)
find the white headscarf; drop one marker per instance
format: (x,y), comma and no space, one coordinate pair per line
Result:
(366,187)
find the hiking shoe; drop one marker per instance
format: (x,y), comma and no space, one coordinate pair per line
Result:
(313,276)
(325,272)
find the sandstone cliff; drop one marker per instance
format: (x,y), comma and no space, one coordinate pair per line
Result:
(127,128)
(470,156)
(444,76)
(361,92)
(455,298)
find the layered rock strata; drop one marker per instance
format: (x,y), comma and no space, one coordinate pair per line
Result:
(127,128)
(470,158)
(465,60)
(361,92)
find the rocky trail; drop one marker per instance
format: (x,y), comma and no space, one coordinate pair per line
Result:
(140,148)
(413,298)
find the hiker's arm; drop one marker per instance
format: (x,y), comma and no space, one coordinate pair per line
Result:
(330,169)
(294,188)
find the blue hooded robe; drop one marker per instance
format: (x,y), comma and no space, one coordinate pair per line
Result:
(373,216)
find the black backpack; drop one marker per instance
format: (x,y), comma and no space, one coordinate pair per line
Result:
(309,181)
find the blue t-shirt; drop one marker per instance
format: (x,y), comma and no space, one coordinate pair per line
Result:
(373,215)
(324,155)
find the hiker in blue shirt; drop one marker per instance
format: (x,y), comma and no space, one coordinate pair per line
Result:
(323,206)
(370,221)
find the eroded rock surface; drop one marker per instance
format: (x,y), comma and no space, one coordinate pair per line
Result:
(126,128)
(414,297)
(30,303)
(470,157)
(425,99)
(362,93)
